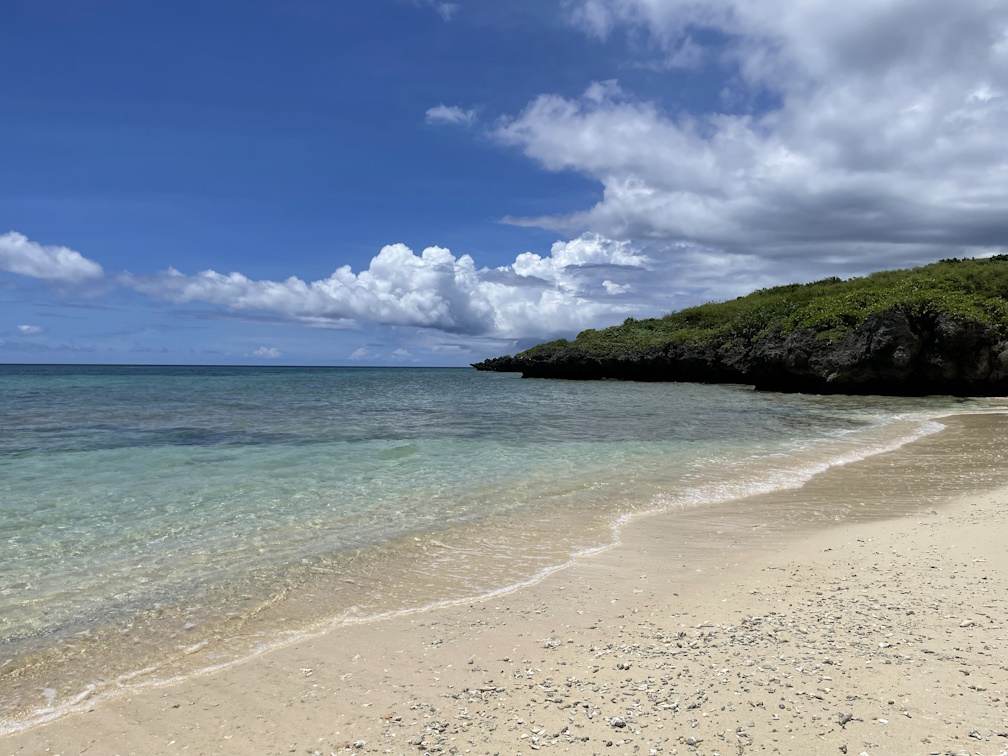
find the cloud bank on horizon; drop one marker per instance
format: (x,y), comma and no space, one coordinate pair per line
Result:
(534,295)
(843,138)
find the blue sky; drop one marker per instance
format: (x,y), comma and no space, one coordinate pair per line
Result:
(427,182)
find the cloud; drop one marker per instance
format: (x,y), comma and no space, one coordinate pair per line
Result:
(454,350)
(612,287)
(454,115)
(28,330)
(398,288)
(447,10)
(361,354)
(535,295)
(883,142)
(20,255)
(566,265)
(269,353)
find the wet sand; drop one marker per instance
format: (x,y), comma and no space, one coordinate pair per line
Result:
(866,612)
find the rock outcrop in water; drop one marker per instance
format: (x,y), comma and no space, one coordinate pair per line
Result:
(889,353)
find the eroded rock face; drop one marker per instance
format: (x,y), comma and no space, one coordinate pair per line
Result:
(890,353)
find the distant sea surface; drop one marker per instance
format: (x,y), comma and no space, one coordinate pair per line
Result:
(156,521)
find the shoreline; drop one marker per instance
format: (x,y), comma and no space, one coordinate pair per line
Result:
(171,642)
(743,530)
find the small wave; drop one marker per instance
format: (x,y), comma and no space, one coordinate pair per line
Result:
(125,684)
(398,452)
(780,480)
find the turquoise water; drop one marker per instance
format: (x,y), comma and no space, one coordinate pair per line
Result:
(149,503)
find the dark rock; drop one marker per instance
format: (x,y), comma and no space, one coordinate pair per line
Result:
(890,353)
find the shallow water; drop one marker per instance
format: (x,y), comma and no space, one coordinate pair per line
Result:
(159,520)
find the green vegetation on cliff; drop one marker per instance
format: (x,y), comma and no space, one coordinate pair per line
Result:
(973,290)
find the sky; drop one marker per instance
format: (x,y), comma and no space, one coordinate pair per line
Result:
(422,182)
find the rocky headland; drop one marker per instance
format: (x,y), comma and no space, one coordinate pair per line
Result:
(890,353)
(937,329)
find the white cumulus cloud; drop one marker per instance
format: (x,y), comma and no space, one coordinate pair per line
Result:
(269,353)
(534,296)
(20,255)
(451,114)
(612,287)
(28,330)
(361,353)
(568,260)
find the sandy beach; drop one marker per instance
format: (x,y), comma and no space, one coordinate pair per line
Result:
(866,612)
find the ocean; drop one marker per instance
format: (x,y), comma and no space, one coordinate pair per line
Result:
(157,522)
